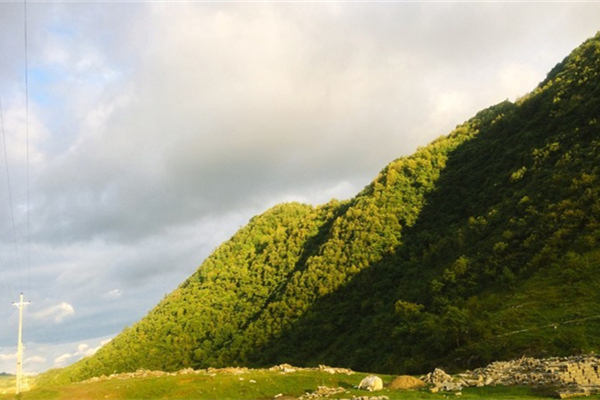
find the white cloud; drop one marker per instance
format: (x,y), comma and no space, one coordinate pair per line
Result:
(5,357)
(83,350)
(62,359)
(35,360)
(40,357)
(113,294)
(57,313)
(518,79)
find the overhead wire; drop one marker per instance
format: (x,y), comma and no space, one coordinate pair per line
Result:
(9,193)
(5,279)
(553,325)
(27,177)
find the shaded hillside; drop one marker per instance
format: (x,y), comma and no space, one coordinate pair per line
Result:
(503,257)
(481,246)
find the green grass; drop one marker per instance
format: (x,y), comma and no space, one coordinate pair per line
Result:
(255,385)
(7,383)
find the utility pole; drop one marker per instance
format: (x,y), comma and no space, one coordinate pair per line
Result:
(20,305)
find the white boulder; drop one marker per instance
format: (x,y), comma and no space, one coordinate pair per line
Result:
(371,383)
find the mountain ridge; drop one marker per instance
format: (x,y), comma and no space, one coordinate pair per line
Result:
(440,260)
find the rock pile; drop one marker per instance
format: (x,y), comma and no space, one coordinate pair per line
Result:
(285,368)
(369,398)
(140,373)
(441,381)
(580,377)
(215,371)
(322,392)
(330,370)
(572,376)
(436,377)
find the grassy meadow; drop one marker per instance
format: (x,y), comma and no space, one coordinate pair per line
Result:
(253,384)
(7,383)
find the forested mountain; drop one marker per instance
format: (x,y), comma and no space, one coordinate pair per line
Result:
(483,245)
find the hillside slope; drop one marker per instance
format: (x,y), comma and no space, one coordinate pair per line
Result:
(482,245)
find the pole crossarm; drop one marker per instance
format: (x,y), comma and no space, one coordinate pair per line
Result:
(20,305)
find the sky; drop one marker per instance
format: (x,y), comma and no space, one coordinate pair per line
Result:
(137,136)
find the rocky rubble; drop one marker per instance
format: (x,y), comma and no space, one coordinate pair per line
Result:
(287,368)
(441,381)
(140,373)
(331,370)
(369,398)
(283,368)
(322,392)
(572,376)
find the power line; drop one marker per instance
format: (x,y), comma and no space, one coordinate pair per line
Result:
(9,192)
(554,325)
(28,233)
(5,276)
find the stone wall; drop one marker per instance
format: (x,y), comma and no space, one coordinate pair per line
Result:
(572,376)
(578,377)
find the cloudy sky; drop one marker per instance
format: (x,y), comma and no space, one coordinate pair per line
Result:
(157,129)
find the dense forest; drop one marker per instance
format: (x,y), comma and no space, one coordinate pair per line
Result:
(481,246)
